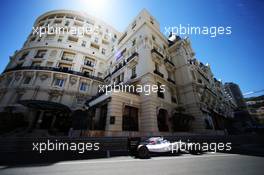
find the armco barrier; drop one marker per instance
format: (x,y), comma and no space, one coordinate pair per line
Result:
(26,144)
(120,143)
(19,150)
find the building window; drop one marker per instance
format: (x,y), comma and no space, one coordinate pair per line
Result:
(47,23)
(130,119)
(95,46)
(23,56)
(67,56)
(73,39)
(88,62)
(103,51)
(200,81)
(33,39)
(40,54)
(153,38)
(60,38)
(133,72)
(169,74)
(49,64)
(83,43)
(50,36)
(67,23)
(83,86)
(160,93)
(27,80)
(59,16)
(51,17)
(122,37)
(99,74)
(156,66)
(69,17)
(65,67)
(87,72)
(122,77)
(96,40)
(36,63)
(134,42)
(117,80)
(59,82)
(121,54)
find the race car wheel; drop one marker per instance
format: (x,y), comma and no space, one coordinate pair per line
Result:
(143,152)
(194,150)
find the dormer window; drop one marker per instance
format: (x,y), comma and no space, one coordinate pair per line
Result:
(40,54)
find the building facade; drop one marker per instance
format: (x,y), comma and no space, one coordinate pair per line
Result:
(55,74)
(234,92)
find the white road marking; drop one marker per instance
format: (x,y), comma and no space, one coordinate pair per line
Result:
(135,160)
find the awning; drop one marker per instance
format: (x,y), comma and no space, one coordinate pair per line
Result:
(45,105)
(15,108)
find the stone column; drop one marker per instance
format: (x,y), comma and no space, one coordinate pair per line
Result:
(148,113)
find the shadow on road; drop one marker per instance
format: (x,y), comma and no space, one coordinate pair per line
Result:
(31,159)
(249,150)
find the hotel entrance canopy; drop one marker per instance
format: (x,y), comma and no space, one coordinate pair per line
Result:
(45,105)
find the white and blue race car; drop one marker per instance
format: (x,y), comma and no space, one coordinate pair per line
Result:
(158,146)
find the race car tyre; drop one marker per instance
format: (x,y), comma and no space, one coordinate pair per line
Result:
(194,150)
(143,152)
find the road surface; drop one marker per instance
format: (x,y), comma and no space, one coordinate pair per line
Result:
(209,163)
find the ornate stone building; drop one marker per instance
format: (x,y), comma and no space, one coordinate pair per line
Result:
(53,75)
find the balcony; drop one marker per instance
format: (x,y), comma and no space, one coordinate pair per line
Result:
(108,75)
(129,60)
(132,56)
(156,56)
(65,69)
(170,80)
(133,59)
(119,67)
(56,69)
(169,63)
(156,52)
(66,59)
(158,73)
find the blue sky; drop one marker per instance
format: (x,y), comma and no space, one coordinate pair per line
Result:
(237,57)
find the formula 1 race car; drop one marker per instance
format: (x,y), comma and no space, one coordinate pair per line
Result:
(158,146)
